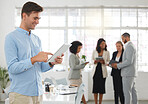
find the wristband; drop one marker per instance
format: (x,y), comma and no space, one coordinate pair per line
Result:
(50,64)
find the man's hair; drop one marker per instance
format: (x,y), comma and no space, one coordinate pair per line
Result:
(29,7)
(126,35)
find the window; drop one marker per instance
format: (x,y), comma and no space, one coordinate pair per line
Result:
(129,18)
(143,17)
(64,25)
(112,17)
(92,17)
(111,37)
(57,17)
(75,18)
(143,50)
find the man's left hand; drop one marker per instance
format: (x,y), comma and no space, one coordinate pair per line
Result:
(58,60)
(114,65)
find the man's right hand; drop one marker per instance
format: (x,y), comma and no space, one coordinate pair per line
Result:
(40,57)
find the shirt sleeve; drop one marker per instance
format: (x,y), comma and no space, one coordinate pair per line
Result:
(45,67)
(73,65)
(128,58)
(15,65)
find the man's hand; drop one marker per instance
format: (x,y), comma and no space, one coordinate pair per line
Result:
(114,65)
(41,57)
(58,60)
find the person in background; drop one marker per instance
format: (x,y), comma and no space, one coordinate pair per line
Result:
(75,76)
(100,69)
(116,74)
(128,70)
(25,59)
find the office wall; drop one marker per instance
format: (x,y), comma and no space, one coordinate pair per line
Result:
(6,25)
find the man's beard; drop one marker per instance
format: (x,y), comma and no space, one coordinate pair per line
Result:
(125,41)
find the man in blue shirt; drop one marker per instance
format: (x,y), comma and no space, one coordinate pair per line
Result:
(25,59)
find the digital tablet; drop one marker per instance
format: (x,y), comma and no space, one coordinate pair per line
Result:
(59,52)
(99,58)
(113,61)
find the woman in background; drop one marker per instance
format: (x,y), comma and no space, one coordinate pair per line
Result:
(100,69)
(116,74)
(75,76)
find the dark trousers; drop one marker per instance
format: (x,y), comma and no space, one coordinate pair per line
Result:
(118,89)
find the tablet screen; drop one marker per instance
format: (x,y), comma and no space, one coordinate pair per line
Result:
(59,52)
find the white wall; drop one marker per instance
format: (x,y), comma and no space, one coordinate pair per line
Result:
(6,25)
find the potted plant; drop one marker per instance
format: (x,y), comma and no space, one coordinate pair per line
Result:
(83,59)
(4,79)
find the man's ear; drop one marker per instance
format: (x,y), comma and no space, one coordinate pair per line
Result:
(24,16)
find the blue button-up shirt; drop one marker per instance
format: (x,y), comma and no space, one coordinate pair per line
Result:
(19,48)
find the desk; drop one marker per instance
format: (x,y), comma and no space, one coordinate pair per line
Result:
(57,98)
(141,83)
(64,74)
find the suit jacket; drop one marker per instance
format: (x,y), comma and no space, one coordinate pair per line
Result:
(106,57)
(116,72)
(128,65)
(75,67)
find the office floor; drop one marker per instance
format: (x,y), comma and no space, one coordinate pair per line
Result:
(104,102)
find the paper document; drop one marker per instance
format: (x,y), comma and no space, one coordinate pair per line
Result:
(59,52)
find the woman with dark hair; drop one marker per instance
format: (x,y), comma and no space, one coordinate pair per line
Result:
(75,76)
(100,70)
(116,74)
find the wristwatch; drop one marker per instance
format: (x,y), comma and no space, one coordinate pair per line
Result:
(50,64)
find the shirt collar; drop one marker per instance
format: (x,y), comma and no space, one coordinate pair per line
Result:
(23,31)
(127,43)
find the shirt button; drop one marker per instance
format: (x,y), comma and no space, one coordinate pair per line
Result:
(26,69)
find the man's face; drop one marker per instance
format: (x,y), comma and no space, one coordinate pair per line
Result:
(32,20)
(124,39)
